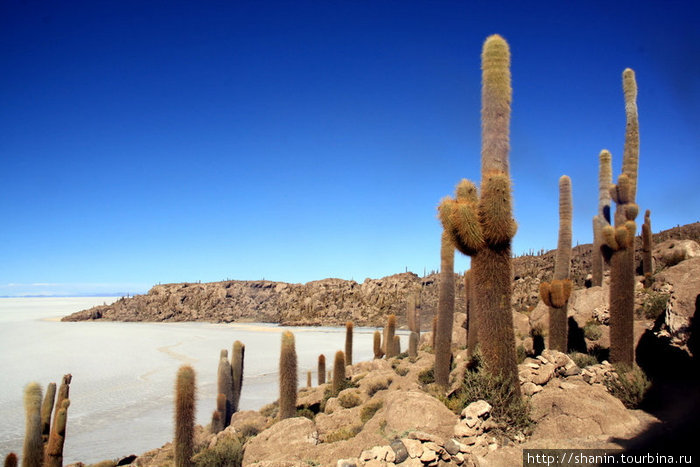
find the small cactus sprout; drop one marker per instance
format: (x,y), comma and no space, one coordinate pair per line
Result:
(556,294)
(397,345)
(480,222)
(288,377)
(224,385)
(601,219)
(618,241)
(378,352)
(217,418)
(216,424)
(308,379)
(390,331)
(11,460)
(413,344)
(54,449)
(46,408)
(237,358)
(33,452)
(185,396)
(321,369)
(63,393)
(445,317)
(348,342)
(338,372)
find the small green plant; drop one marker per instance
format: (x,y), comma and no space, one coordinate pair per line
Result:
(369,410)
(628,385)
(510,411)
(343,434)
(401,371)
(591,331)
(426,376)
(227,452)
(378,385)
(348,400)
(654,305)
(248,430)
(305,412)
(582,360)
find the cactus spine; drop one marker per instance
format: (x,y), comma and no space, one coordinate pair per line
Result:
(470,323)
(483,226)
(339,372)
(556,294)
(288,377)
(603,217)
(389,341)
(33,451)
(348,342)
(225,385)
(185,390)
(377,345)
(446,306)
(54,449)
(618,241)
(46,408)
(647,260)
(237,358)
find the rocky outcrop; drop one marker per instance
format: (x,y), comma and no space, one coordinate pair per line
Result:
(684,281)
(334,301)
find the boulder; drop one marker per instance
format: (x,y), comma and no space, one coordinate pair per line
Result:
(684,279)
(248,421)
(288,440)
(580,411)
(416,410)
(672,252)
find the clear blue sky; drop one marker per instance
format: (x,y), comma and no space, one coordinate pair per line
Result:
(169,141)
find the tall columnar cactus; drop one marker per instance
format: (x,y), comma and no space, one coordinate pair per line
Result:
(224,385)
(348,342)
(389,341)
(618,241)
(446,307)
(413,340)
(397,345)
(377,345)
(46,408)
(308,379)
(483,226)
(185,396)
(647,259)
(601,219)
(53,456)
(339,372)
(237,359)
(321,369)
(33,451)
(412,314)
(11,460)
(288,377)
(434,332)
(470,323)
(556,294)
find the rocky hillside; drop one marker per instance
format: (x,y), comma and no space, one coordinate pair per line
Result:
(334,301)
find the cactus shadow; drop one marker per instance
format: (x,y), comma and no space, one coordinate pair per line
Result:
(575,341)
(674,396)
